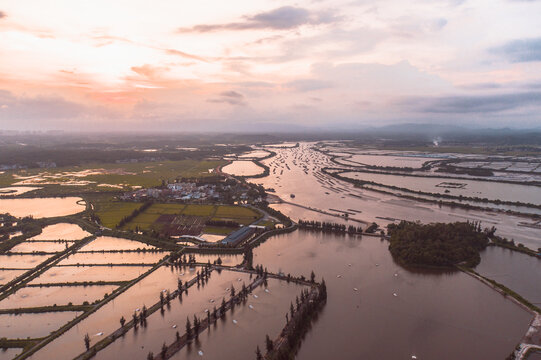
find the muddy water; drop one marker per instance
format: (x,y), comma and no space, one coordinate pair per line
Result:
(519,272)
(228,340)
(16,190)
(226,259)
(137,344)
(314,189)
(59,295)
(8,275)
(113,258)
(106,319)
(472,188)
(58,274)
(62,231)
(22,261)
(33,325)
(41,207)
(432,316)
(242,168)
(108,243)
(8,354)
(37,246)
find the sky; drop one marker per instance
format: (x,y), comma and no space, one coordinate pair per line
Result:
(258,65)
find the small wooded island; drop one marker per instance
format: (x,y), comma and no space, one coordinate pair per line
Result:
(437,244)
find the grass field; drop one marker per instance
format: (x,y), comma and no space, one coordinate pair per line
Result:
(111,212)
(120,176)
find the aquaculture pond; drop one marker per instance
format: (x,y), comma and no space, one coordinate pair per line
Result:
(114,258)
(40,246)
(266,309)
(243,168)
(8,275)
(61,231)
(431,315)
(23,261)
(163,327)
(519,272)
(60,274)
(106,319)
(108,243)
(21,326)
(297,171)
(42,207)
(8,354)
(27,297)
(454,187)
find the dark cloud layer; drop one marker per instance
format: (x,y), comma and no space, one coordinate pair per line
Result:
(521,50)
(283,18)
(475,104)
(229,97)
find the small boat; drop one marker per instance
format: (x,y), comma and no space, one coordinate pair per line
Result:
(413,357)
(99,334)
(206,310)
(234,321)
(377,264)
(137,309)
(250,306)
(355,289)
(349,264)
(255,296)
(267,291)
(338,276)
(395,274)
(211,300)
(395,294)
(200,353)
(175,326)
(292,196)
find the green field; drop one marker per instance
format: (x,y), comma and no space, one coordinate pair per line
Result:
(144,174)
(111,212)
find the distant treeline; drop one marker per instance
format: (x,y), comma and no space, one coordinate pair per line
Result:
(329,227)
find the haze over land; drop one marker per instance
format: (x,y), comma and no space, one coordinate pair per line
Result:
(259,65)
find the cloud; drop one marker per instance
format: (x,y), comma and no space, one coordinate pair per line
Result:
(184,54)
(229,97)
(475,104)
(283,18)
(521,50)
(308,84)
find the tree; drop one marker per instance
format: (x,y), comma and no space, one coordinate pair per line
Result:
(87,342)
(122,321)
(269,343)
(232,291)
(196,325)
(188,329)
(312,277)
(150,356)
(164,350)
(258,354)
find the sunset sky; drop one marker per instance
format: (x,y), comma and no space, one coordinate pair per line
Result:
(247,65)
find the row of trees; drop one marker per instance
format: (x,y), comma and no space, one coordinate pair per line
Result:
(298,321)
(126,219)
(329,227)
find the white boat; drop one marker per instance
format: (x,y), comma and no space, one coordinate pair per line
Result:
(175,326)
(338,276)
(200,353)
(234,321)
(255,296)
(99,334)
(250,306)
(355,289)
(395,294)
(267,290)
